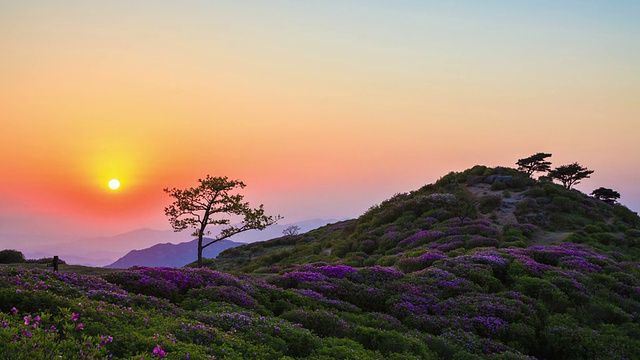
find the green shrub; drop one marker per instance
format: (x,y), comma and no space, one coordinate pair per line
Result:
(387,260)
(566,339)
(489,203)
(626,215)
(343,349)
(11,257)
(544,290)
(388,342)
(323,323)
(536,192)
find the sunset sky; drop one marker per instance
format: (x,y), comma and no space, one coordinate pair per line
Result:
(323,108)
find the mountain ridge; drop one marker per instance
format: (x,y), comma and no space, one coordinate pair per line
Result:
(170,255)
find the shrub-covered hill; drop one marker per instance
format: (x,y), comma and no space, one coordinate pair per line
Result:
(445,272)
(459,212)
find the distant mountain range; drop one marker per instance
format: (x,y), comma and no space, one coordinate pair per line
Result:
(102,251)
(177,255)
(99,251)
(171,255)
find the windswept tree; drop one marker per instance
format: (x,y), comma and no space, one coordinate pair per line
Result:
(607,195)
(291,230)
(571,174)
(534,163)
(461,203)
(214,202)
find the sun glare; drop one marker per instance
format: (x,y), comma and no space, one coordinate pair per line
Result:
(114,184)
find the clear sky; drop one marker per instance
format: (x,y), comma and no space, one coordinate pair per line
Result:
(323,108)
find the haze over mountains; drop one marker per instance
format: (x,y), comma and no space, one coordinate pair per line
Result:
(171,255)
(102,251)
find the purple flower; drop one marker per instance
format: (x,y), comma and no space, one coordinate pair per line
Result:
(75,317)
(80,326)
(157,351)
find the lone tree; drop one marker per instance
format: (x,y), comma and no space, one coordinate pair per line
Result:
(291,230)
(461,203)
(571,174)
(534,163)
(213,203)
(607,195)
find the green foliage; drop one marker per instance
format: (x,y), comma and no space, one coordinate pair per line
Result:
(570,175)
(534,163)
(605,194)
(498,186)
(11,257)
(624,214)
(45,337)
(489,203)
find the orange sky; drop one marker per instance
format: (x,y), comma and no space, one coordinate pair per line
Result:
(322,109)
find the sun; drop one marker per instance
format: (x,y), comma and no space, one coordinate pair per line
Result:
(114,184)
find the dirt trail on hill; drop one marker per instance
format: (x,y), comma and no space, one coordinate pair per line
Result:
(506,211)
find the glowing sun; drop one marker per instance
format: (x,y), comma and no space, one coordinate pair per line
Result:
(114,184)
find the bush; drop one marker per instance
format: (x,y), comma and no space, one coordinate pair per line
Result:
(342,349)
(489,203)
(11,257)
(323,323)
(390,341)
(387,260)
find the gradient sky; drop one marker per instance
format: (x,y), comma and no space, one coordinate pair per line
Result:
(323,108)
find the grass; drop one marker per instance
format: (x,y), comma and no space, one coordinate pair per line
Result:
(65,269)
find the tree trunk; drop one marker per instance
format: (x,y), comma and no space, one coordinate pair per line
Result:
(200,249)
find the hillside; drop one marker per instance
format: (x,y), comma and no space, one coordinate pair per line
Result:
(459,269)
(519,213)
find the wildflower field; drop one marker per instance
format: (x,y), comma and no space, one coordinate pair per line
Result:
(557,301)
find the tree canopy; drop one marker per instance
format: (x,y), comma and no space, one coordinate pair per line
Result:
(571,174)
(534,163)
(607,195)
(214,203)
(291,230)
(10,256)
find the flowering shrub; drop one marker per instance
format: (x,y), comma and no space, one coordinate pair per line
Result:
(420,262)
(230,294)
(323,323)
(45,337)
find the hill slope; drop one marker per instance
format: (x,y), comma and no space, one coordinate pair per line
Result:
(520,213)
